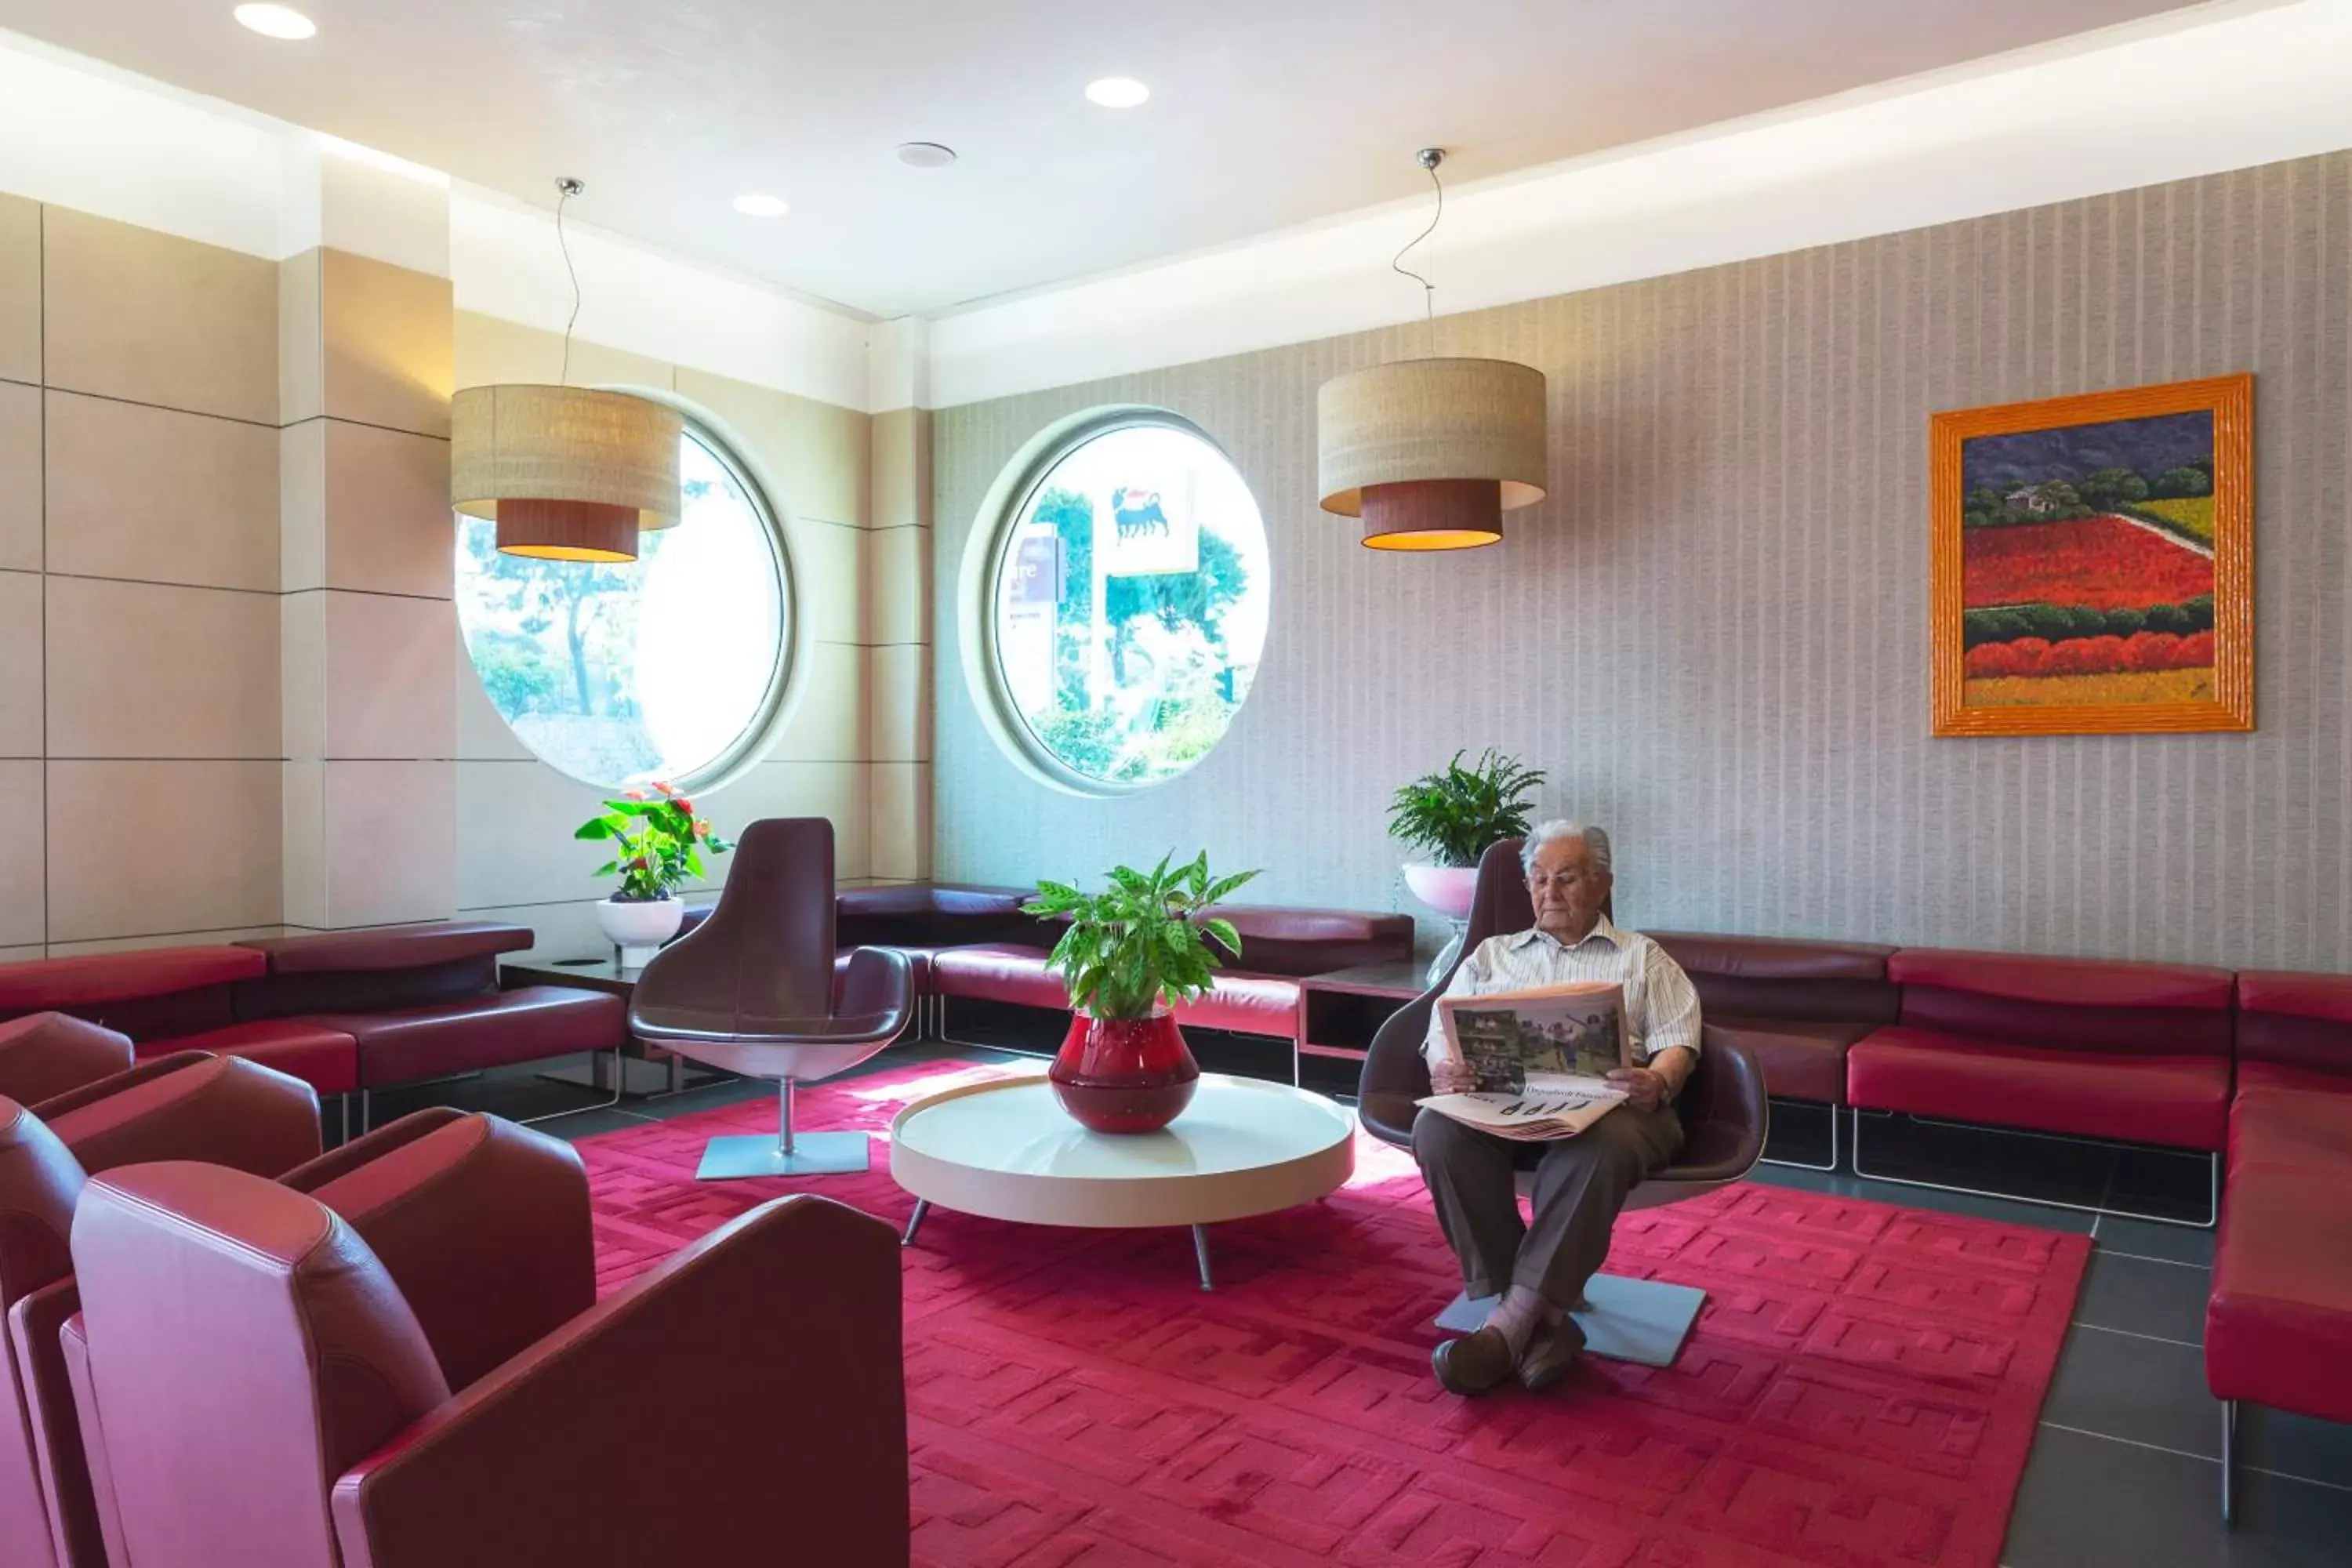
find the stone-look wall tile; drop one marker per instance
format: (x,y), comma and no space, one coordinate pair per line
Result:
(817,456)
(558,930)
(391,692)
(20,478)
(901,794)
(20,289)
(391,842)
(898,585)
(305,840)
(831,790)
(830,723)
(145,670)
(22,954)
(302,665)
(302,357)
(23,897)
(386,339)
(161,496)
(137,848)
(148,317)
(491,350)
(483,733)
(514,834)
(902,703)
(902,469)
(829,561)
(302,506)
(389,528)
(165,939)
(20,664)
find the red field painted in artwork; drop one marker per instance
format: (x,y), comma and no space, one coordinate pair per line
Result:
(2105,563)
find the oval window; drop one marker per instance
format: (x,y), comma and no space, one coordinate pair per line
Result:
(1129,602)
(668,668)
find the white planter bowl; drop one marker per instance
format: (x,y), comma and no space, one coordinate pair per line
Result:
(1445,889)
(637,925)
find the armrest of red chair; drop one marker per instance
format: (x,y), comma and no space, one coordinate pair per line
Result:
(35,1325)
(754,1384)
(74,1347)
(483,1224)
(346,1158)
(217,1110)
(43,1054)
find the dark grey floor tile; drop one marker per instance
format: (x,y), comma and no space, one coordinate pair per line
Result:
(2296,1446)
(2146,1238)
(2092,1502)
(2162,1300)
(588,1123)
(2120,1385)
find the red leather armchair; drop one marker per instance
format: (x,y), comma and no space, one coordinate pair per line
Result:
(43,1054)
(751,1387)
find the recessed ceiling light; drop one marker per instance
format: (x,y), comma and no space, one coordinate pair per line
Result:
(1118,92)
(276,21)
(761,207)
(926,154)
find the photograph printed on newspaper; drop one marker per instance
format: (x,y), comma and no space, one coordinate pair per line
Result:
(1542,1058)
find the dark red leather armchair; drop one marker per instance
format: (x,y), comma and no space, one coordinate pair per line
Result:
(43,1054)
(751,1390)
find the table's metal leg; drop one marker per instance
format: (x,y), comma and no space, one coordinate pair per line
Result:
(1200,1251)
(915,1221)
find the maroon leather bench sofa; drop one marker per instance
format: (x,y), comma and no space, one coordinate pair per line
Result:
(346,1012)
(1797,1007)
(2278,1324)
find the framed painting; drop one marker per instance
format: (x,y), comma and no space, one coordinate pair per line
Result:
(2091,563)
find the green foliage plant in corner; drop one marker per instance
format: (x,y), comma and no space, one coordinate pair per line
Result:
(1452,815)
(1143,940)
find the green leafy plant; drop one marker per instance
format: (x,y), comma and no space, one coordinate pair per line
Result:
(1453,813)
(657,843)
(1142,939)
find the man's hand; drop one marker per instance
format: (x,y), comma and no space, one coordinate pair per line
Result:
(1451,1078)
(1646,1089)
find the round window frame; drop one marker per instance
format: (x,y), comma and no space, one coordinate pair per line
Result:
(1008,499)
(785,685)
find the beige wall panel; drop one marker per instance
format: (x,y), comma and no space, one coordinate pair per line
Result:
(389,526)
(558,930)
(144,670)
(390,684)
(514,836)
(302,506)
(160,495)
(832,790)
(301,360)
(20,478)
(387,332)
(22,897)
(20,664)
(902,469)
(302,664)
(483,733)
(902,820)
(165,938)
(136,848)
(22,954)
(818,454)
(151,318)
(898,585)
(492,350)
(391,842)
(828,565)
(830,722)
(304,807)
(902,703)
(20,289)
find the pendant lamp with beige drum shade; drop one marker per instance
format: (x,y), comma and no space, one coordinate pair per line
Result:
(569,473)
(1430,453)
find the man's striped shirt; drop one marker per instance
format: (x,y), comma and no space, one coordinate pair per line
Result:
(1660,1007)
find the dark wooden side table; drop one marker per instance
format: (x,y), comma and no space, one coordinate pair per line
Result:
(641,1075)
(1340,1012)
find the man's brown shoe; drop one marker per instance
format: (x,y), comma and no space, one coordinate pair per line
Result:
(1550,1354)
(1475,1363)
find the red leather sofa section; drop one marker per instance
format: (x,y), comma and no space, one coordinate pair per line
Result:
(1796,1006)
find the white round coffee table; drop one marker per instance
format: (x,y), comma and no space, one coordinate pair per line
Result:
(1006,1149)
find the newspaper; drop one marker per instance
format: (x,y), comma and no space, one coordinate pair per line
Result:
(1541,1057)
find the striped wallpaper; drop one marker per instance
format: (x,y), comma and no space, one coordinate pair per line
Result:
(1713,633)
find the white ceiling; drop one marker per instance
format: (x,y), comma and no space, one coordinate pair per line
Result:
(1265,113)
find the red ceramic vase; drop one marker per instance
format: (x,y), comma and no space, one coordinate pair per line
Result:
(1124,1074)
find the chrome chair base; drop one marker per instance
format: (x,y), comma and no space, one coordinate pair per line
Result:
(1643,1322)
(760,1154)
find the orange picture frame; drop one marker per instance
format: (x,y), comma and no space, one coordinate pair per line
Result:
(2076,557)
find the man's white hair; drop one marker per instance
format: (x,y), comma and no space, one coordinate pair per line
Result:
(1596,842)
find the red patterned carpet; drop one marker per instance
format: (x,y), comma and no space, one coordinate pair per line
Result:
(1862,1388)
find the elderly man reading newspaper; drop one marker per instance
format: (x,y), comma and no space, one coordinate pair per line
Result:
(1539,1269)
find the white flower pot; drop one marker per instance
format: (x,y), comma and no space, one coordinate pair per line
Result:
(1445,889)
(640,926)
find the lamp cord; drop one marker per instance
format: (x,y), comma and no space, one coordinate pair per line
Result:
(567,189)
(1396,263)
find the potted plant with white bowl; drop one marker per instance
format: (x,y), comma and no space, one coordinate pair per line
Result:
(1450,818)
(657,844)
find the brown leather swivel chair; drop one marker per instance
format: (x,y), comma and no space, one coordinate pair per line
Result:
(1724,1114)
(752,991)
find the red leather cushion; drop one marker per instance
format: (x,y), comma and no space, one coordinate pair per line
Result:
(1246,1003)
(2273,1123)
(2297,994)
(1772,958)
(2071,982)
(2297,1020)
(1799,1059)
(390,947)
(43,1054)
(2278,1325)
(76,983)
(2255,1076)
(1314,942)
(221,1110)
(2179,1100)
(322,1058)
(508,1026)
(999,971)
